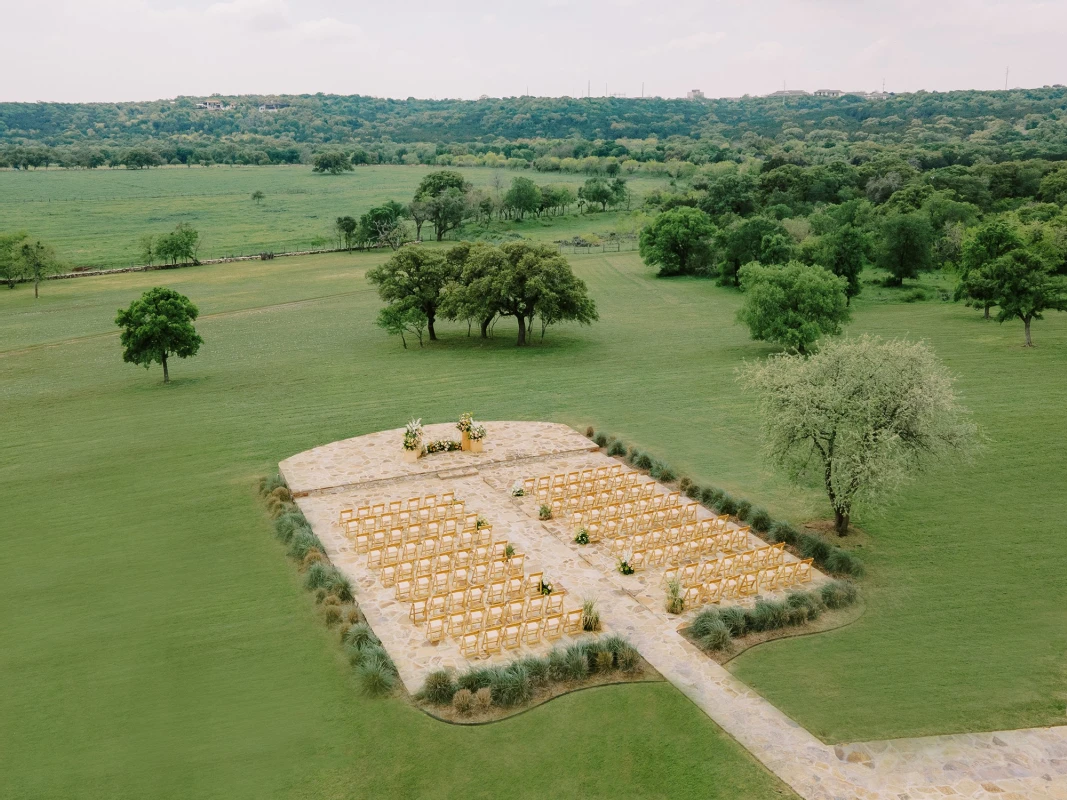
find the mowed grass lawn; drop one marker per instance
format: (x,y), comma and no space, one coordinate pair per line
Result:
(97,217)
(156,642)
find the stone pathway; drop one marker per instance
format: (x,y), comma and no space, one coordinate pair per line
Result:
(1010,764)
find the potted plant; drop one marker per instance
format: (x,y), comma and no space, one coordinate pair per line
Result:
(582,537)
(517,490)
(477,436)
(544,512)
(466,422)
(413,441)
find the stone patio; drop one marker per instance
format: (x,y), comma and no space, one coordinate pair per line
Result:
(370,469)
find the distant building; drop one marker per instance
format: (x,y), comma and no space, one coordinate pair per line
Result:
(694,94)
(269,107)
(212,105)
(828,93)
(790,93)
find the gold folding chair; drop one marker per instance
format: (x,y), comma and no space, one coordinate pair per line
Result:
(572,621)
(531,631)
(533,583)
(497,593)
(440,582)
(461,577)
(475,619)
(553,627)
(804,571)
(787,573)
(517,564)
(457,600)
(448,498)
(512,635)
(515,610)
(435,629)
(423,586)
(405,590)
(388,575)
(554,603)
(475,597)
(468,644)
(748,584)
(417,612)
(713,590)
(535,607)
(479,574)
(374,558)
(639,560)
(492,638)
(498,570)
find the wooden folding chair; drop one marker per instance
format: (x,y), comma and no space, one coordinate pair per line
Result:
(456,622)
(804,571)
(532,583)
(435,629)
(423,586)
(388,575)
(572,621)
(457,600)
(475,597)
(492,638)
(515,611)
(461,577)
(440,583)
(713,590)
(344,516)
(531,631)
(495,614)
(512,635)
(639,560)
(517,564)
(691,597)
(514,587)
(554,603)
(497,593)
(535,607)
(468,644)
(748,584)
(688,573)
(768,578)
(670,574)
(528,486)
(479,574)
(424,566)
(553,627)
(405,590)
(374,558)
(787,573)
(417,612)
(498,570)
(475,619)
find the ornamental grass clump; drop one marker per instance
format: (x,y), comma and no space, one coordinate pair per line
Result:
(675,601)
(760,520)
(576,663)
(269,483)
(643,461)
(809,603)
(726,504)
(463,701)
(767,615)
(782,531)
(475,679)
(302,542)
(842,562)
(440,687)
(617,448)
(601,439)
(590,615)
(360,636)
(537,669)
(838,594)
(744,508)
(331,614)
(290,523)
(716,636)
(483,698)
(693,492)
(544,512)
(633,455)
(666,473)
(511,686)
(813,547)
(710,496)
(376,676)
(604,661)
(734,619)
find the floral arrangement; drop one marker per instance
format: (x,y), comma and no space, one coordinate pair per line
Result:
(546,588)
(413,435)
(466,422)
(477,432)
(517,490)
(544,512)
(625,568)
(582,537)
(443,446)
(482,522)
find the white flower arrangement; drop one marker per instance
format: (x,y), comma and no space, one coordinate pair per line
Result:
(517,490)
(413,435)
(477,432)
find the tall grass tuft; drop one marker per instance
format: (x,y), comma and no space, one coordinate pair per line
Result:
(537,669)
(734,619)
(715,635)
(590,615)
(839,594)
(269,483)
(289,523)
(643,461)
(726,504)
(812,546)
(303,540)
(782,531)
(483,698)
(710,496)
(475,679)
(440,687)
(376,676)
(767,615)
(601,439)
(360,635)
(666,473)
(705,620)
(744,508)
(576,663)
(842,562)
(617,449)
(675,601)
(463,701)
(760,520)
(317,576)
(511,685)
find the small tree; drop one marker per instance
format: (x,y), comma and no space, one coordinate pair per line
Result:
(148,249)
(258,196)
(414,276)
(444,195)
(38,262)
(345,228)
(1021,284)
(597,190)
(400,318)
(861,416)
(11,265)
(984,246)
(907,246)
(332,162)
(178,246)
(845,252)
(677,241)
(157,326)
(524,196)
(793,305)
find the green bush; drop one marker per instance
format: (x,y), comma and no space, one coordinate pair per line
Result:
(440,687)
(331,614)
(318,576)
(726,504)
(838,594)
(684,483)
(643,461)
(289,523)
(710,496)
(601,439)
(813,547)
(627,658)
(360,635)
(809,603)
(842,562)
(269,483)
(376,676)
(784,532)
(715,636)
(693,492)
(576,661)
(767,615)
(303,540)
(604,661)
(617,449)
(913,296)
(633,455)
(511,685)
(760,520)
(463,701)
(590,432)
(744,508)
(675,601)
(704,621)
(666,473)
(483,698)
(544,512)
(557,665)
(537,669)
(475,679)
(735,620)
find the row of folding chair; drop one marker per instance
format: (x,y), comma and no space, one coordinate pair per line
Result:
(454,516)
(618,484)
(396,506)
(613,514)
(466,612)
(682,542)
(747,583)
(726,566)
(423,540)
(573,478)
(412,583)
(431,550)
(490,641)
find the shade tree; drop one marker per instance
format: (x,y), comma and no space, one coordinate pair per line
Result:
(906,247)
(678,242)
(37,261)
(860,417)
(332,162)
(793,305)
(414,276)
(158,326)
(986,244)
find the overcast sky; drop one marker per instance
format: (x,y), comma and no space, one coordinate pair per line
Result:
(109,50)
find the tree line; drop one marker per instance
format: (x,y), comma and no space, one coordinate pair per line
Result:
(479,283)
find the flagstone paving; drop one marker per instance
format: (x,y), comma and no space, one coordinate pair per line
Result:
(1009,764)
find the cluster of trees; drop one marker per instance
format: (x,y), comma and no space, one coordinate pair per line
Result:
(23,259)
(479,283)
(592,135)
(179,246)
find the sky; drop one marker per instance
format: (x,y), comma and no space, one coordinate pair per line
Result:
(115,50)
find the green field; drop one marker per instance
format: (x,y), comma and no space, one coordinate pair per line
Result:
(156,642)
(97,217)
